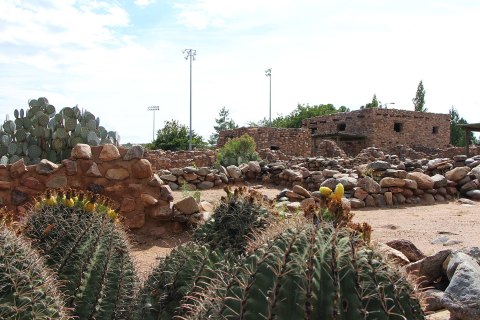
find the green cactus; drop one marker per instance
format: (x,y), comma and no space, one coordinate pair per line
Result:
(239,215)
(89,252)
(178,278)
(311,272)
(28,290)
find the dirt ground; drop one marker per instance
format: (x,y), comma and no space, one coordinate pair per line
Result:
(459,224)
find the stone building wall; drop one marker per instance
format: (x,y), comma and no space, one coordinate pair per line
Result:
(291,141)
(161,159)
(118,173)
(384,128)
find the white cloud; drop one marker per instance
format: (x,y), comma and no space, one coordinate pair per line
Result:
(144,3)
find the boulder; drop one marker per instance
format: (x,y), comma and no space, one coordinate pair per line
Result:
(109,152)
(428,269)
(357,203)
(439,181)
(457,174)
(423,181)
(393,255)
(135,152)
(411,184)
(388,182)
(46,167)
(432,299)
(378,165)
(369,185)
(18,168)
(117,174)
(234,172)
(142,169)
(81,151)
(461,297)
(254,166)
(205,185)
(301,191)
(359,193)
(187,205)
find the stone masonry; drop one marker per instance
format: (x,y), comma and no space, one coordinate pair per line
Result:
(384,128)
(292,142)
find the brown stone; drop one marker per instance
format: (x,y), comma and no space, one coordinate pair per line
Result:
(46,167)
(411,184)
(457,174)
(407,248)
(423,181)
(186,205)
(128,205)
(388,198)
(57,181)
(301,191)
(206,206)
(428,269)
(307,203)
(81,151)
(18,168)
(293,196)
(155,181)
(32,183)
(166,193)
(5,185)
(93,171)
(117,174)
(190,176)
(148,200)
(388,182)
(359,193)
(109,152)
(159,212)
(70,167)
(142,169)
(393,255)
(396,190)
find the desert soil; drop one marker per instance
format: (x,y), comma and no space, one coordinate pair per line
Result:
(419,224)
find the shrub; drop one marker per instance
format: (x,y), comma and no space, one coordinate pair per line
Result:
(237,151)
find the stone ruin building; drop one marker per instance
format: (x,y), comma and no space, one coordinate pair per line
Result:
(354,131)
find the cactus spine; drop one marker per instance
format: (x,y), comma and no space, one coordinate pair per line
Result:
(311,273)
(90,253)
(28,290)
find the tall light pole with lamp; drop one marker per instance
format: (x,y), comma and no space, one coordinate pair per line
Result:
(153,108)
(268,73)
(190,54)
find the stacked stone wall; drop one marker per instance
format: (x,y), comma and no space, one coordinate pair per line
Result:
(291,141)
(161,159)
(119,173)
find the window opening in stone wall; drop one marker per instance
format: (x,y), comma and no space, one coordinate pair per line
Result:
(398,126)
(435,130)
(341,126)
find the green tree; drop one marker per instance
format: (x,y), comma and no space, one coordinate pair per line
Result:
(223,123)
(419,100)
(301,112)
(457,135)
(175,136)
(374,104)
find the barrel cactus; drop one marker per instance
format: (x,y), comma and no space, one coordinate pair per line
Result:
(239,215)
(311,272)
(178,278)
(28,290)
(88,250)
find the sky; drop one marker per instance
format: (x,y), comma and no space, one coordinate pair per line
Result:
(117,58)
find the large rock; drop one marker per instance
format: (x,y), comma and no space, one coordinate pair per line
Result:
(457,174)
(348,182)
(234,172)
(254,166)
(359,193)
(46,167)
(428,269)
(357,203)
(81,151)
(388,182)
(378,165)
(423,181)
(187,205)
(393,255)
(461,297)
(205,185)
(407,248)
(369,185)
(18,168)
(301,191)
(135,152)
(117,174)
(475,172)
(109,152)
(142,169)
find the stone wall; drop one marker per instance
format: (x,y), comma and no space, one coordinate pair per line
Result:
(161,159)
(291,141)
(384,128)
(119,173)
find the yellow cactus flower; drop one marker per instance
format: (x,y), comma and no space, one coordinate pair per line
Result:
(339,191)
(90,206)
(51,201)
(325,191)
(112,214)
(69,203)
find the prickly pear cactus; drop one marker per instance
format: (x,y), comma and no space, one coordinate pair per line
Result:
(311,273)
(88,250)
(28,290)
(240,214)
(178,278)
(41,132)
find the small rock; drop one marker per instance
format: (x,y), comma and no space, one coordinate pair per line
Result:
(234,172)
(369,185)
(392,254)
(294,206)
(439,181)
(407,248)
(378,165)
(466,201)
(457,174)
(423,181)
(142,169)
(135,152)
(93,171)
(70,167)
(109,152)
(474,194)
(391,182)
(440,240)
(148,200)
(357,203)
(432,299)
(206,206)
(451,242)
(117,174)
(18,168)
(301,191)
(169,177)
(46,167)
(205,185)
(155,181)
(18,197)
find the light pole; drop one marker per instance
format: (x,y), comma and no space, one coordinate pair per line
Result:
(386,104)
(268,73)
(190,54)
(153,108)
